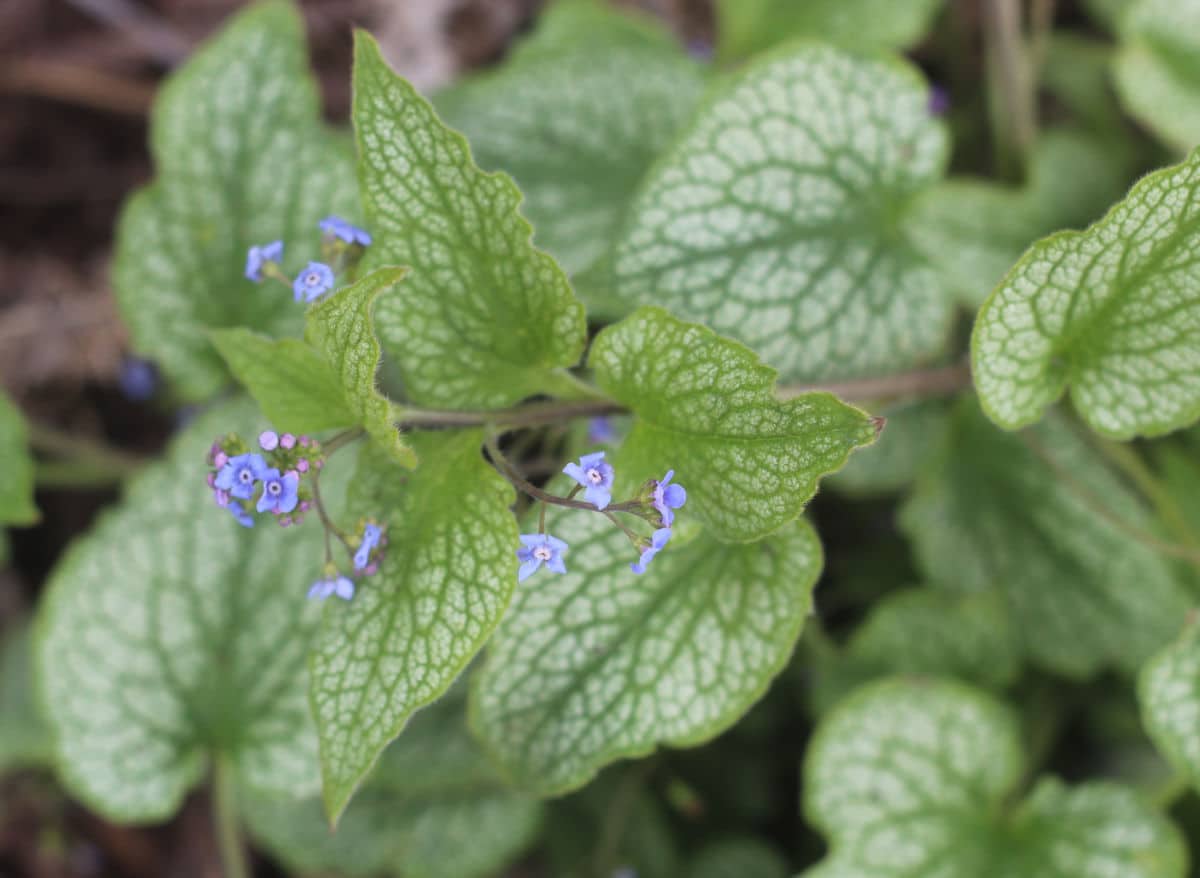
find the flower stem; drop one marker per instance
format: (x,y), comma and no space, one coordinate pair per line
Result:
(326,522)
(525,486)
(225,821)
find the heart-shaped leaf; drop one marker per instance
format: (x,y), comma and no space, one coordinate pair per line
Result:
(601,664)
(1107,312)
(171,636)
(706,407)
(780,217)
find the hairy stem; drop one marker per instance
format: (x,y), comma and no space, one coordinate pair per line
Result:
(326,521)
(940,381)
(225,821)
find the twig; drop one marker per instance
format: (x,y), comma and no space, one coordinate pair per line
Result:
(1011,86)
(77,85)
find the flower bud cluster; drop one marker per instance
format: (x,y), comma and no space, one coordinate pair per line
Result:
(269,480)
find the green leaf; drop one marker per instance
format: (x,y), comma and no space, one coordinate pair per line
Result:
(925,631)
(572,24)
(328,380)
(432,809)
(341,328)
(575,129)
(411,629)
(990,512)
(749,26)
(893,461)
(910,779)
(1156,71)
(242,159)
(485,319)
(738,858)
(16,487)
(170,635)
(1169,694)
(1105,311)
(295,386)
(974,231)
(23,735)
(707,408)
(601,664)
(780,217)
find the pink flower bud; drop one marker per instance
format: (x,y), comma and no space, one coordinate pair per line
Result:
(210,479)
(372,569)
(302,465)
(304,441)
(288,441)
(285,520)
(220,459)
(268,440)
(221,498)
(305,506)
(320,464)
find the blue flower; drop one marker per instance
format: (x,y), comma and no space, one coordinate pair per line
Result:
(668,497)
(342,586)
(280,492)
(370,539)
(539,549)
(138,379)
(660,538)
(239,474)
(595,476)
(312,283)
(244,518)
(600,431)
(257,257)
(339,228)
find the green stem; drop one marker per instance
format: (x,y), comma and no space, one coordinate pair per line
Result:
(524,485)
(1011,86)
(1129,462)
(225,820)
(88,456)
(1097,504)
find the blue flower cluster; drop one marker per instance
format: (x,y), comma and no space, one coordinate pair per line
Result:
(243,480)
(656,504)
(342,247)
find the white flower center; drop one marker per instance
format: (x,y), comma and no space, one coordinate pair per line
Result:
(543,553)
(273,488)
(312,279)
(245,477)
(595,476)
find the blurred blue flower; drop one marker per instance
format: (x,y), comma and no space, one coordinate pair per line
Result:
(660,538)
(257,257)
(280,492)
(370,539)
(312,283)
(539,549)
(138,379)
(244,518)
(339,228)
(340,585)
(595,476)
(240,473)
(668,497)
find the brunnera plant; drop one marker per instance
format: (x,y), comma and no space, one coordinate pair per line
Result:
(417,599)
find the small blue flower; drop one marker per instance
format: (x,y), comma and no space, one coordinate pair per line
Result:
(244,518)
(660,538)
(370,539)
(280,492)
(668,497)
(312,283)
(595,476)
(239,474)
(339,228)
(539,549)
(257,257)
(600,431)
(342,586)
(138,379)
